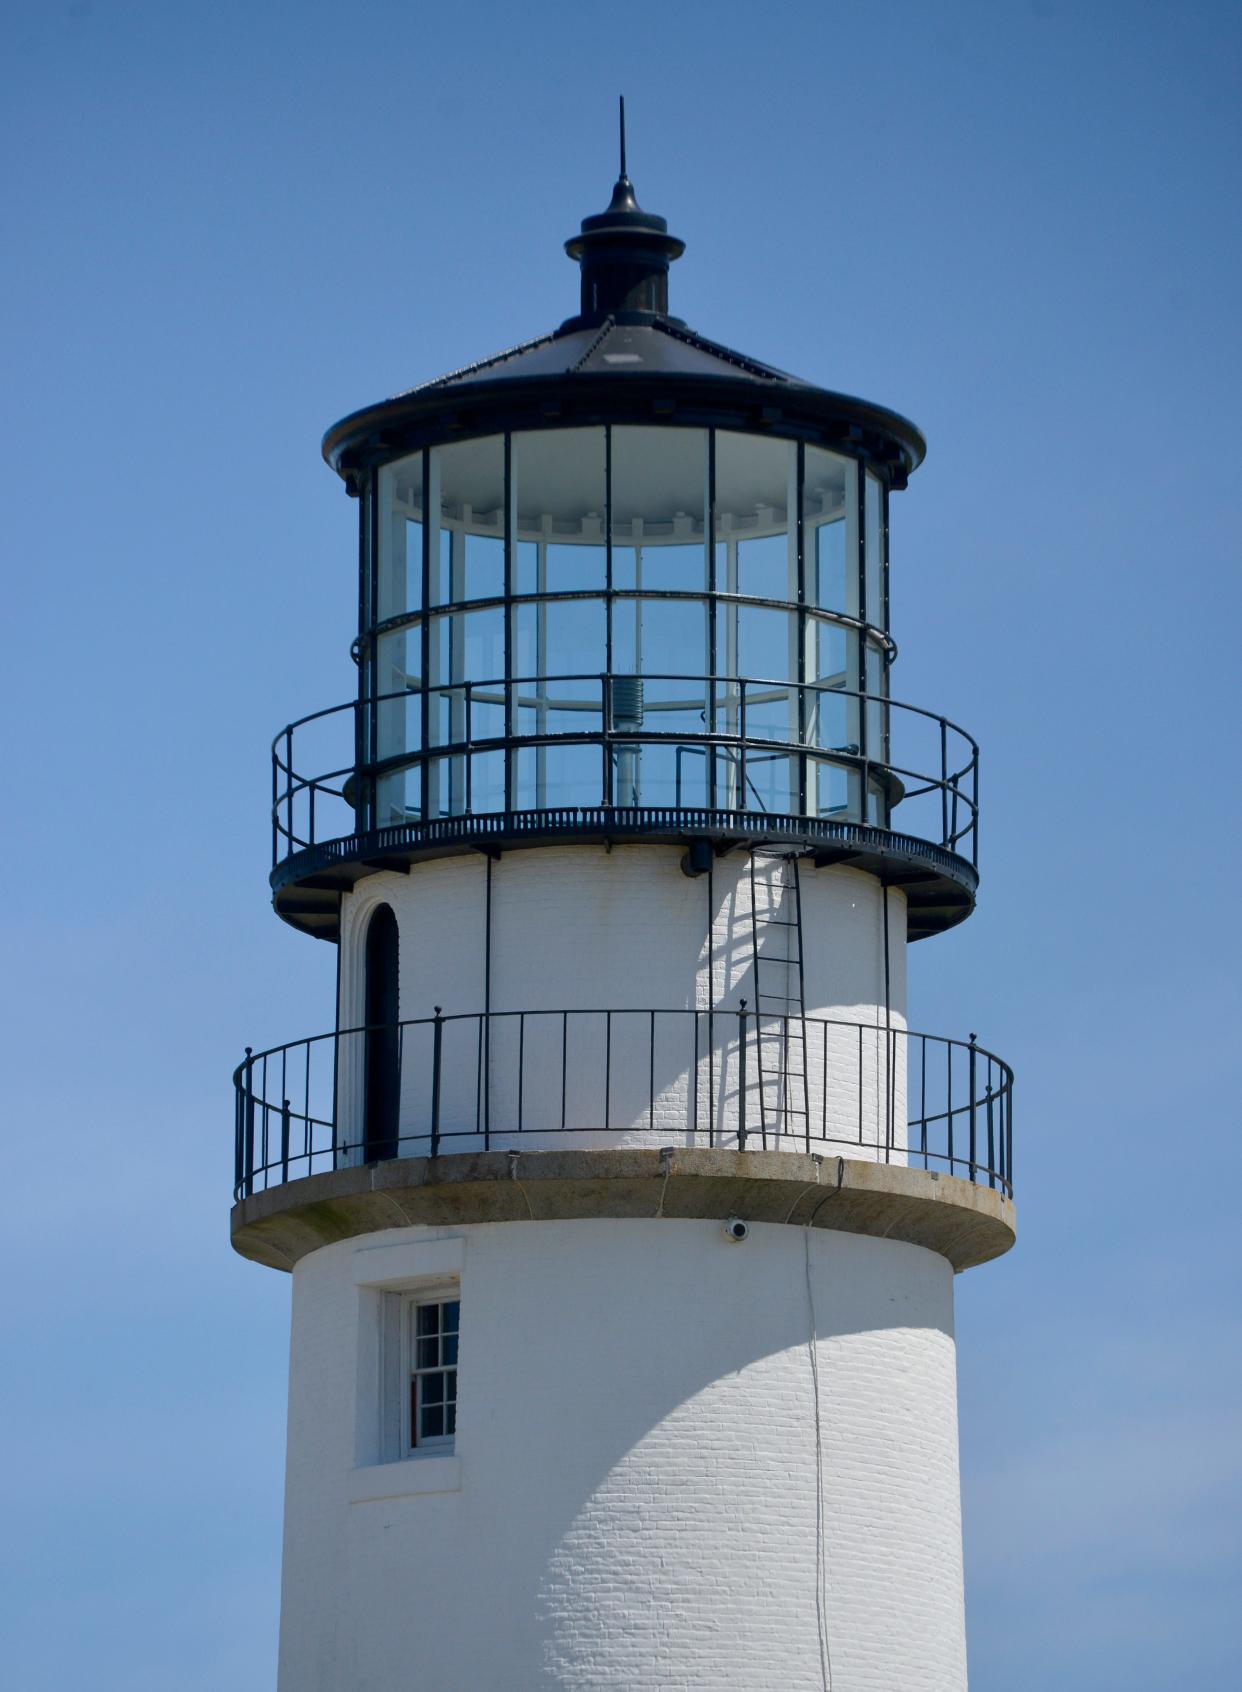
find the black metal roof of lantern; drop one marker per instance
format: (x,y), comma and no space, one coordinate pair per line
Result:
(806,751)
(622,358)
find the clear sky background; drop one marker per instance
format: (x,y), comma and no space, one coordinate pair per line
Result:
(227,225)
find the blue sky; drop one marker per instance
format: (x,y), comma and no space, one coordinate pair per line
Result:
(228,225)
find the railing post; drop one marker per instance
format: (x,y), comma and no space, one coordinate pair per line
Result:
(487,1080)
(741,1084)
(248,1128)
(605,683)
(607,1069)
(944,782)
(336,1079)
(949,1103)
(991,1139)
(284,1140)
(651,1073)
(436,1049)
(974,1108)
(289,786)
(741,728)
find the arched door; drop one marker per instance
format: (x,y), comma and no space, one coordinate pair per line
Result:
(382,1074)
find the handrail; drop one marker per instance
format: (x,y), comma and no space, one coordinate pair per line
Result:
(476,1080)
(726,706)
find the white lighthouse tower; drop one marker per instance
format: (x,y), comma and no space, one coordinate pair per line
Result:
(621,1205)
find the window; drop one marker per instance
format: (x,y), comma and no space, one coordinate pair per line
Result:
(431,1328)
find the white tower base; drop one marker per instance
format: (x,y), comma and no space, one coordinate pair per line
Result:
(634,1498)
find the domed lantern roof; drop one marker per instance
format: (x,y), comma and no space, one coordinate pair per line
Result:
(623,358)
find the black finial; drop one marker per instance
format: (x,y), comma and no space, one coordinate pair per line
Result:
(624,252)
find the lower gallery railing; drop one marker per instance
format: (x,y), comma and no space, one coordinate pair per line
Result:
(590,1078)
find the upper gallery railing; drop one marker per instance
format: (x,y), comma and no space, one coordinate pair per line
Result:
(673,742)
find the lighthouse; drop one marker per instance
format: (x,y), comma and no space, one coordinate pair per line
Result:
(621,1198)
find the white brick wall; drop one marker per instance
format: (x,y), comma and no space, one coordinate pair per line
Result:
(637,1497)
(581,927)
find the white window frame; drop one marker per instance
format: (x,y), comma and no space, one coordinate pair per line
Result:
(387,1276)
(449,1292)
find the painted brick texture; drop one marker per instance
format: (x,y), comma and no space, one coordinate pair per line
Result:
(581,927)
(637,1506)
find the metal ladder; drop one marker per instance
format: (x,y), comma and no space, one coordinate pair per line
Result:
(780,993)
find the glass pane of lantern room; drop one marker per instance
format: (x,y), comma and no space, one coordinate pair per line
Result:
(558,496)
(400,585)
(468,486)
(756,491)
(398,683)
(873,518)
(659,506)
(756,554)
(830,530)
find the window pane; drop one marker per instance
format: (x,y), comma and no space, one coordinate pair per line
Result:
(831,788)
(874,517)
(571,568)
(466,646)
(428,1318)
(485,566)
(399,659)
(433,1421)
(526,571)
(763,567)
(830,529)
(659,637)
(559,638)
(559,775)
(772,713)
(400,537)
(487,780)
(831,654)
(452,1312)
(752,640)
(470,479)
(771,782)
(399,797)
(755,487)
(398,721)
(558,493)
(433,1388)
(833,722)
(659,505)
(428,1352)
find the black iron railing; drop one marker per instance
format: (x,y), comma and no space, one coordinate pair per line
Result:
(698,743)
(487,1081)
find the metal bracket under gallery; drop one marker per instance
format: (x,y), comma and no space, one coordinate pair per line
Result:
(939,886)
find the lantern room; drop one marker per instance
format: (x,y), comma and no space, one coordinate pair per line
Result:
(622,582)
